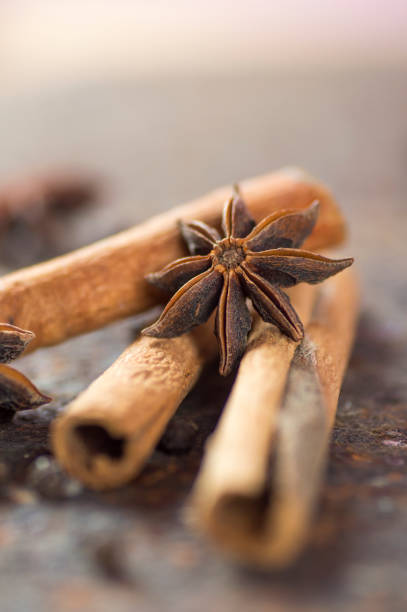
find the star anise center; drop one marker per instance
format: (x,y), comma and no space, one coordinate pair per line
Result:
(228,253)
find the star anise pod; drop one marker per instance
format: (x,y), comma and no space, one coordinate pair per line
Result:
(251,261)
(17,392)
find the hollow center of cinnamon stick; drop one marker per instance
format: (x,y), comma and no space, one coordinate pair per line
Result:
(98,441)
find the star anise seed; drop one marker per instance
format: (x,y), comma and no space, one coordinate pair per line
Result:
(251,261)
(17,392)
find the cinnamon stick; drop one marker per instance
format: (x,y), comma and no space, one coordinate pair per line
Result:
(252,515)
(93,286)
(109,431)
(105,435)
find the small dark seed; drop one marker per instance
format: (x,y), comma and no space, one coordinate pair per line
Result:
(179,437)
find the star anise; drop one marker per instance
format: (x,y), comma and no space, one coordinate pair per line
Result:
(17,392)
(251,261)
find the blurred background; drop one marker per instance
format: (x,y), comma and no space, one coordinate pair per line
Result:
(45,41)
(152,103)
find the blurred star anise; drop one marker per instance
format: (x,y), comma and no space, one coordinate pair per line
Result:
(17,392)
(251,261)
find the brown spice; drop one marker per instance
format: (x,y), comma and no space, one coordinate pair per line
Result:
(33,212)
(251,261)
(17,392)
(257,515)
(33,197)
(109,431)
(91,287)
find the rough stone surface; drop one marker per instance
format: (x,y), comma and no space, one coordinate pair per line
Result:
(160,143)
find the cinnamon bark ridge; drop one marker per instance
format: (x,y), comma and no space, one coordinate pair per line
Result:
(98,284)
(259,482)
(105,436)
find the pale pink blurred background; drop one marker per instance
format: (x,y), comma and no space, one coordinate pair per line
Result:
(43,40)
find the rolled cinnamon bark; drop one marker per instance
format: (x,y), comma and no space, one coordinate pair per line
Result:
(253,512)
(93,286)
(108,432)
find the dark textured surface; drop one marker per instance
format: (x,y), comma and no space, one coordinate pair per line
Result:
(158,143)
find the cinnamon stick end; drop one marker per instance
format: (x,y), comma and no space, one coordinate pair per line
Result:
(92,453)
